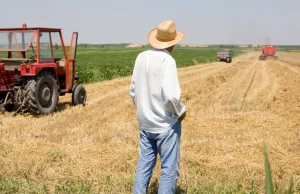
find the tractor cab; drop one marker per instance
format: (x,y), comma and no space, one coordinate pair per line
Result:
(29,54)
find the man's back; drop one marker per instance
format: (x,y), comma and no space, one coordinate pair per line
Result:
(152,67)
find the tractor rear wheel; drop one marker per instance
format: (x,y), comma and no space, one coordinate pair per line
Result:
(42,95)
(79,95)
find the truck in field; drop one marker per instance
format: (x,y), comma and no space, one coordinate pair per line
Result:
(225,55)
(268,52)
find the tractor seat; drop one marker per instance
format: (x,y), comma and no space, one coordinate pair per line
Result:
(62,63)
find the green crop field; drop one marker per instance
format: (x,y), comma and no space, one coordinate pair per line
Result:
(103,64)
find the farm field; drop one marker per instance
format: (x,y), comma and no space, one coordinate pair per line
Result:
(95,65)
(105,63)
(293,58)
(232,110)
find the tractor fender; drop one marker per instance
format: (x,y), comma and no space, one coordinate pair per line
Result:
(34,70)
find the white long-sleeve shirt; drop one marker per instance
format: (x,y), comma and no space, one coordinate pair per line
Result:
(155,91)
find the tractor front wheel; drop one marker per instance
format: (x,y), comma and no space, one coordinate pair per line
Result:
(79,95)
(42,95)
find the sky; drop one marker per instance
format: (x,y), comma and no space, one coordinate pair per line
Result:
(130,21)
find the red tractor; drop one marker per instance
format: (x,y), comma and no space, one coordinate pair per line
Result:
(36,68)
(268,52)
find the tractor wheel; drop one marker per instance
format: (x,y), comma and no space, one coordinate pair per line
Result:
(42,95)
(228,60)
(79,95)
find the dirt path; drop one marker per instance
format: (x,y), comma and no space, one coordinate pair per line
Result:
(232,110)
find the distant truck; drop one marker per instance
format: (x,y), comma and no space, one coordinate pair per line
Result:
(268,52)
(225,55)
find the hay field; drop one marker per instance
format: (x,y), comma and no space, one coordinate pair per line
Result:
(293,58)
(232,109)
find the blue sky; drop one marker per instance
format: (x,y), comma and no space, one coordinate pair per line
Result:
(129,21)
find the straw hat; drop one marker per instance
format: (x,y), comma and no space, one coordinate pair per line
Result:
(165,35)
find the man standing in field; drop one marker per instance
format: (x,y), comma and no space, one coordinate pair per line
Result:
(155,91)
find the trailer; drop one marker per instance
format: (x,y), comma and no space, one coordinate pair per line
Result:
(225,55)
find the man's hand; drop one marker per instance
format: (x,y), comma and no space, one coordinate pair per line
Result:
(180,119)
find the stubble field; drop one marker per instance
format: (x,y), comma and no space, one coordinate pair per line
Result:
(232,110)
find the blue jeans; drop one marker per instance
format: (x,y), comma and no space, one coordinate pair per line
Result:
(167,145)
